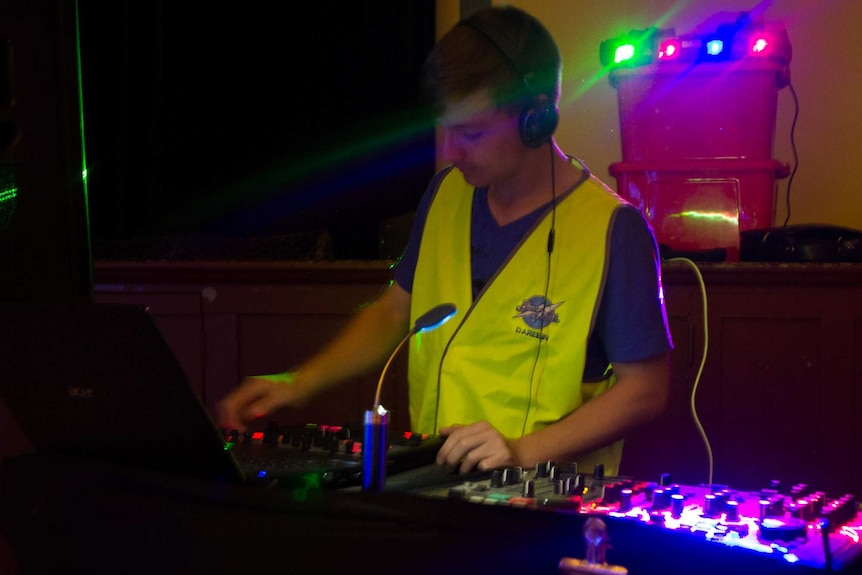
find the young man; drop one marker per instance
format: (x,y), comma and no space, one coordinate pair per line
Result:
(560,345)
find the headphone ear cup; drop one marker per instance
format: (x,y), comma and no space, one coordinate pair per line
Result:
(537,124)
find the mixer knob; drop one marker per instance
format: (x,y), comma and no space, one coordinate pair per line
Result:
(578,484)
(599,471)
(771,507)
(511,475)
(710,505)
(648,490)
(544,469)
(529,490)
(497,478)
(677,504)
(555,473)
(559,487)
(732,510)
(271,434)
(626,499)
(665,480)
(660,499)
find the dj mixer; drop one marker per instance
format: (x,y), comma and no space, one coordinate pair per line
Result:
(800,528)
(793,527)
(329,456)
(547,520)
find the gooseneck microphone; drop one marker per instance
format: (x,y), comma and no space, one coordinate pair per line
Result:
(375,440)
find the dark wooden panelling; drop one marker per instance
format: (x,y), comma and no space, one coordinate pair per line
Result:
(776,398)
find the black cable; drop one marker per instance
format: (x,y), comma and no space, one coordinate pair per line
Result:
(795,152)
(551,237)
(825,528)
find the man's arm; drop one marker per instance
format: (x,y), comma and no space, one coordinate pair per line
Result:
(639,395)
(364,343)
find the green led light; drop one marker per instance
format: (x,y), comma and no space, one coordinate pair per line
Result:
(8,195)
(624,53)
(708,216)
(634,48)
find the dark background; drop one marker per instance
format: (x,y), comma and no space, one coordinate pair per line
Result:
(252,121)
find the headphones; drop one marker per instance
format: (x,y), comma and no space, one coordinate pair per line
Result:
(538,119)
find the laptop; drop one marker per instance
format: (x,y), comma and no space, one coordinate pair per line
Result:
(99,381)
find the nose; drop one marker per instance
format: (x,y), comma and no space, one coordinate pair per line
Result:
(450,149)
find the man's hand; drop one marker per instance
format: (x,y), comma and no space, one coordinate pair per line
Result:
(257,397)
(478,445)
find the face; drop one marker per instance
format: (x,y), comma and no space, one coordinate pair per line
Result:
(480,139)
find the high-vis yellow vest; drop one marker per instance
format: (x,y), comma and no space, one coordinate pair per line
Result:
(515,356)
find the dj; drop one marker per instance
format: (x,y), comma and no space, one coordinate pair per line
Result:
(560,345)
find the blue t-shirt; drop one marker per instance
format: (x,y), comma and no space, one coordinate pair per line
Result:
(631,324)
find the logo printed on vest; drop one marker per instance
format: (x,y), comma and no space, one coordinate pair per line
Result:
(538,312)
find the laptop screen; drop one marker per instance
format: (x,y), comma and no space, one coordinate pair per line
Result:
(98,380)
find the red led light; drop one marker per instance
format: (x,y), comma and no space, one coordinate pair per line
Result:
(759,45)
(669,49)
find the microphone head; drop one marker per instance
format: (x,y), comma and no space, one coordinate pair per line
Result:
(435,317)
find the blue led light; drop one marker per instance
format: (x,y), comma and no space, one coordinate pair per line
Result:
(714,47)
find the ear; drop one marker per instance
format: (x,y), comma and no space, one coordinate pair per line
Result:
(538,121)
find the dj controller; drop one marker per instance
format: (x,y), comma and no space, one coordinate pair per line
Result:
(793,527)
(552,519)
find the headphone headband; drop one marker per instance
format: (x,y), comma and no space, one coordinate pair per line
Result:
(538,119)
(505,46)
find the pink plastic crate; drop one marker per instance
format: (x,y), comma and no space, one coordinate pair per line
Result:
(697,205)
(709,110)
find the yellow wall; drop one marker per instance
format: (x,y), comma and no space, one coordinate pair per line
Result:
(826,72)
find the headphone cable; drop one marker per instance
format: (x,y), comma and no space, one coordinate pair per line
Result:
(551,237)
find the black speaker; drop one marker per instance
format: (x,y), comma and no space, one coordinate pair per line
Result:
(44,235)
(540,116)
(802,243)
